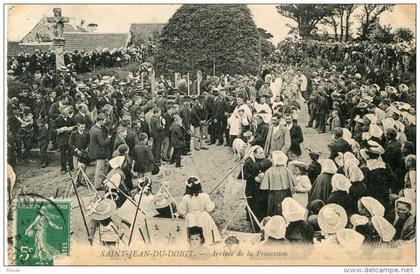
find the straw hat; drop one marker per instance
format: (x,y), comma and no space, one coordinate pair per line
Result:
(298,164)
(331,218)
(160,201)
(104,209)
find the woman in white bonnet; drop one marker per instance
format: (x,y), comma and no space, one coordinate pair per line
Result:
(278,180)
(321,188)
(274,231)
(340,192)
(298,229)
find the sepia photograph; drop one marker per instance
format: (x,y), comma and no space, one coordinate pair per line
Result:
(228,134)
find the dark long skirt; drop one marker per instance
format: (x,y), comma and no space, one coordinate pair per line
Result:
(275,197)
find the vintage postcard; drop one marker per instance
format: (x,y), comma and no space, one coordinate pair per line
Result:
(210,134)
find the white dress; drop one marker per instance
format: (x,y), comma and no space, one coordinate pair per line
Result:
(196,210)
(303,186)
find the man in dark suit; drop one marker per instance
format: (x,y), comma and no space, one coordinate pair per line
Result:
(143,124)
(79,143)
(177,141)
(83,117)
(218,115)
(132,138)
(135,107)
(339,144)
(63,126)
(99,148)
(261,132)
(296,137)
(157,133)
(199,118)
(54,111)
(143,157)
(185,114)
(168,116)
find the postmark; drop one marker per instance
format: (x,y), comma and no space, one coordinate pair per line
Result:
(42,230)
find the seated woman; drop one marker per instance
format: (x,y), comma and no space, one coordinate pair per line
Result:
(384,230)
(274,231)
(196,205)
(115,181)
(299,230)
(314,208)
(405,220)
(367,208)
(340,192)
(358,187)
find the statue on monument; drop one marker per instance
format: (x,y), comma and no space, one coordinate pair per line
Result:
(58,21)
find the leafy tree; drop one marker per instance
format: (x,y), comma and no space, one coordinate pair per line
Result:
(307,16)
(383,34)
(349,9)
(404,35)
(370,18)
(266,46)
(198,36)
(339,20)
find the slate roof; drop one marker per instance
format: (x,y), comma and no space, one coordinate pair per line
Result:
(88,41)
(145,31)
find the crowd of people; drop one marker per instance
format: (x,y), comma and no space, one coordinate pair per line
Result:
(381,63)
(25,65)
(363,190)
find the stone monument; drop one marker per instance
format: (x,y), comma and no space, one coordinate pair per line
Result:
(58,39)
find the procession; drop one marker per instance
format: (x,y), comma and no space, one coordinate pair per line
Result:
(314,152)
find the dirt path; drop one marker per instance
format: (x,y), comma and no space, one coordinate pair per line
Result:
(209,165)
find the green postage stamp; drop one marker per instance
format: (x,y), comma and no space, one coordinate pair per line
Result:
(42,231)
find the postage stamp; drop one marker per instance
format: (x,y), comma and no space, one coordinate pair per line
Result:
(42,231)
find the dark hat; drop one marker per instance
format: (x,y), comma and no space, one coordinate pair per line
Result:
(122,149)
(314,152)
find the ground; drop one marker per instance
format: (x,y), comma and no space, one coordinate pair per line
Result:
(209,165)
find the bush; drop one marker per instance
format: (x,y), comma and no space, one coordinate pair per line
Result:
(198,36)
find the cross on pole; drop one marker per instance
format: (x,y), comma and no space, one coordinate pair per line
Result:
(58,22)
(58,40)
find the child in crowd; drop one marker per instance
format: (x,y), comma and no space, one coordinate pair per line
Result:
(303,184)
(335,120)
(196,205)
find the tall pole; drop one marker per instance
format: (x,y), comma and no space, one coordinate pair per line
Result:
(81,208)
(188,83)
(214,67)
